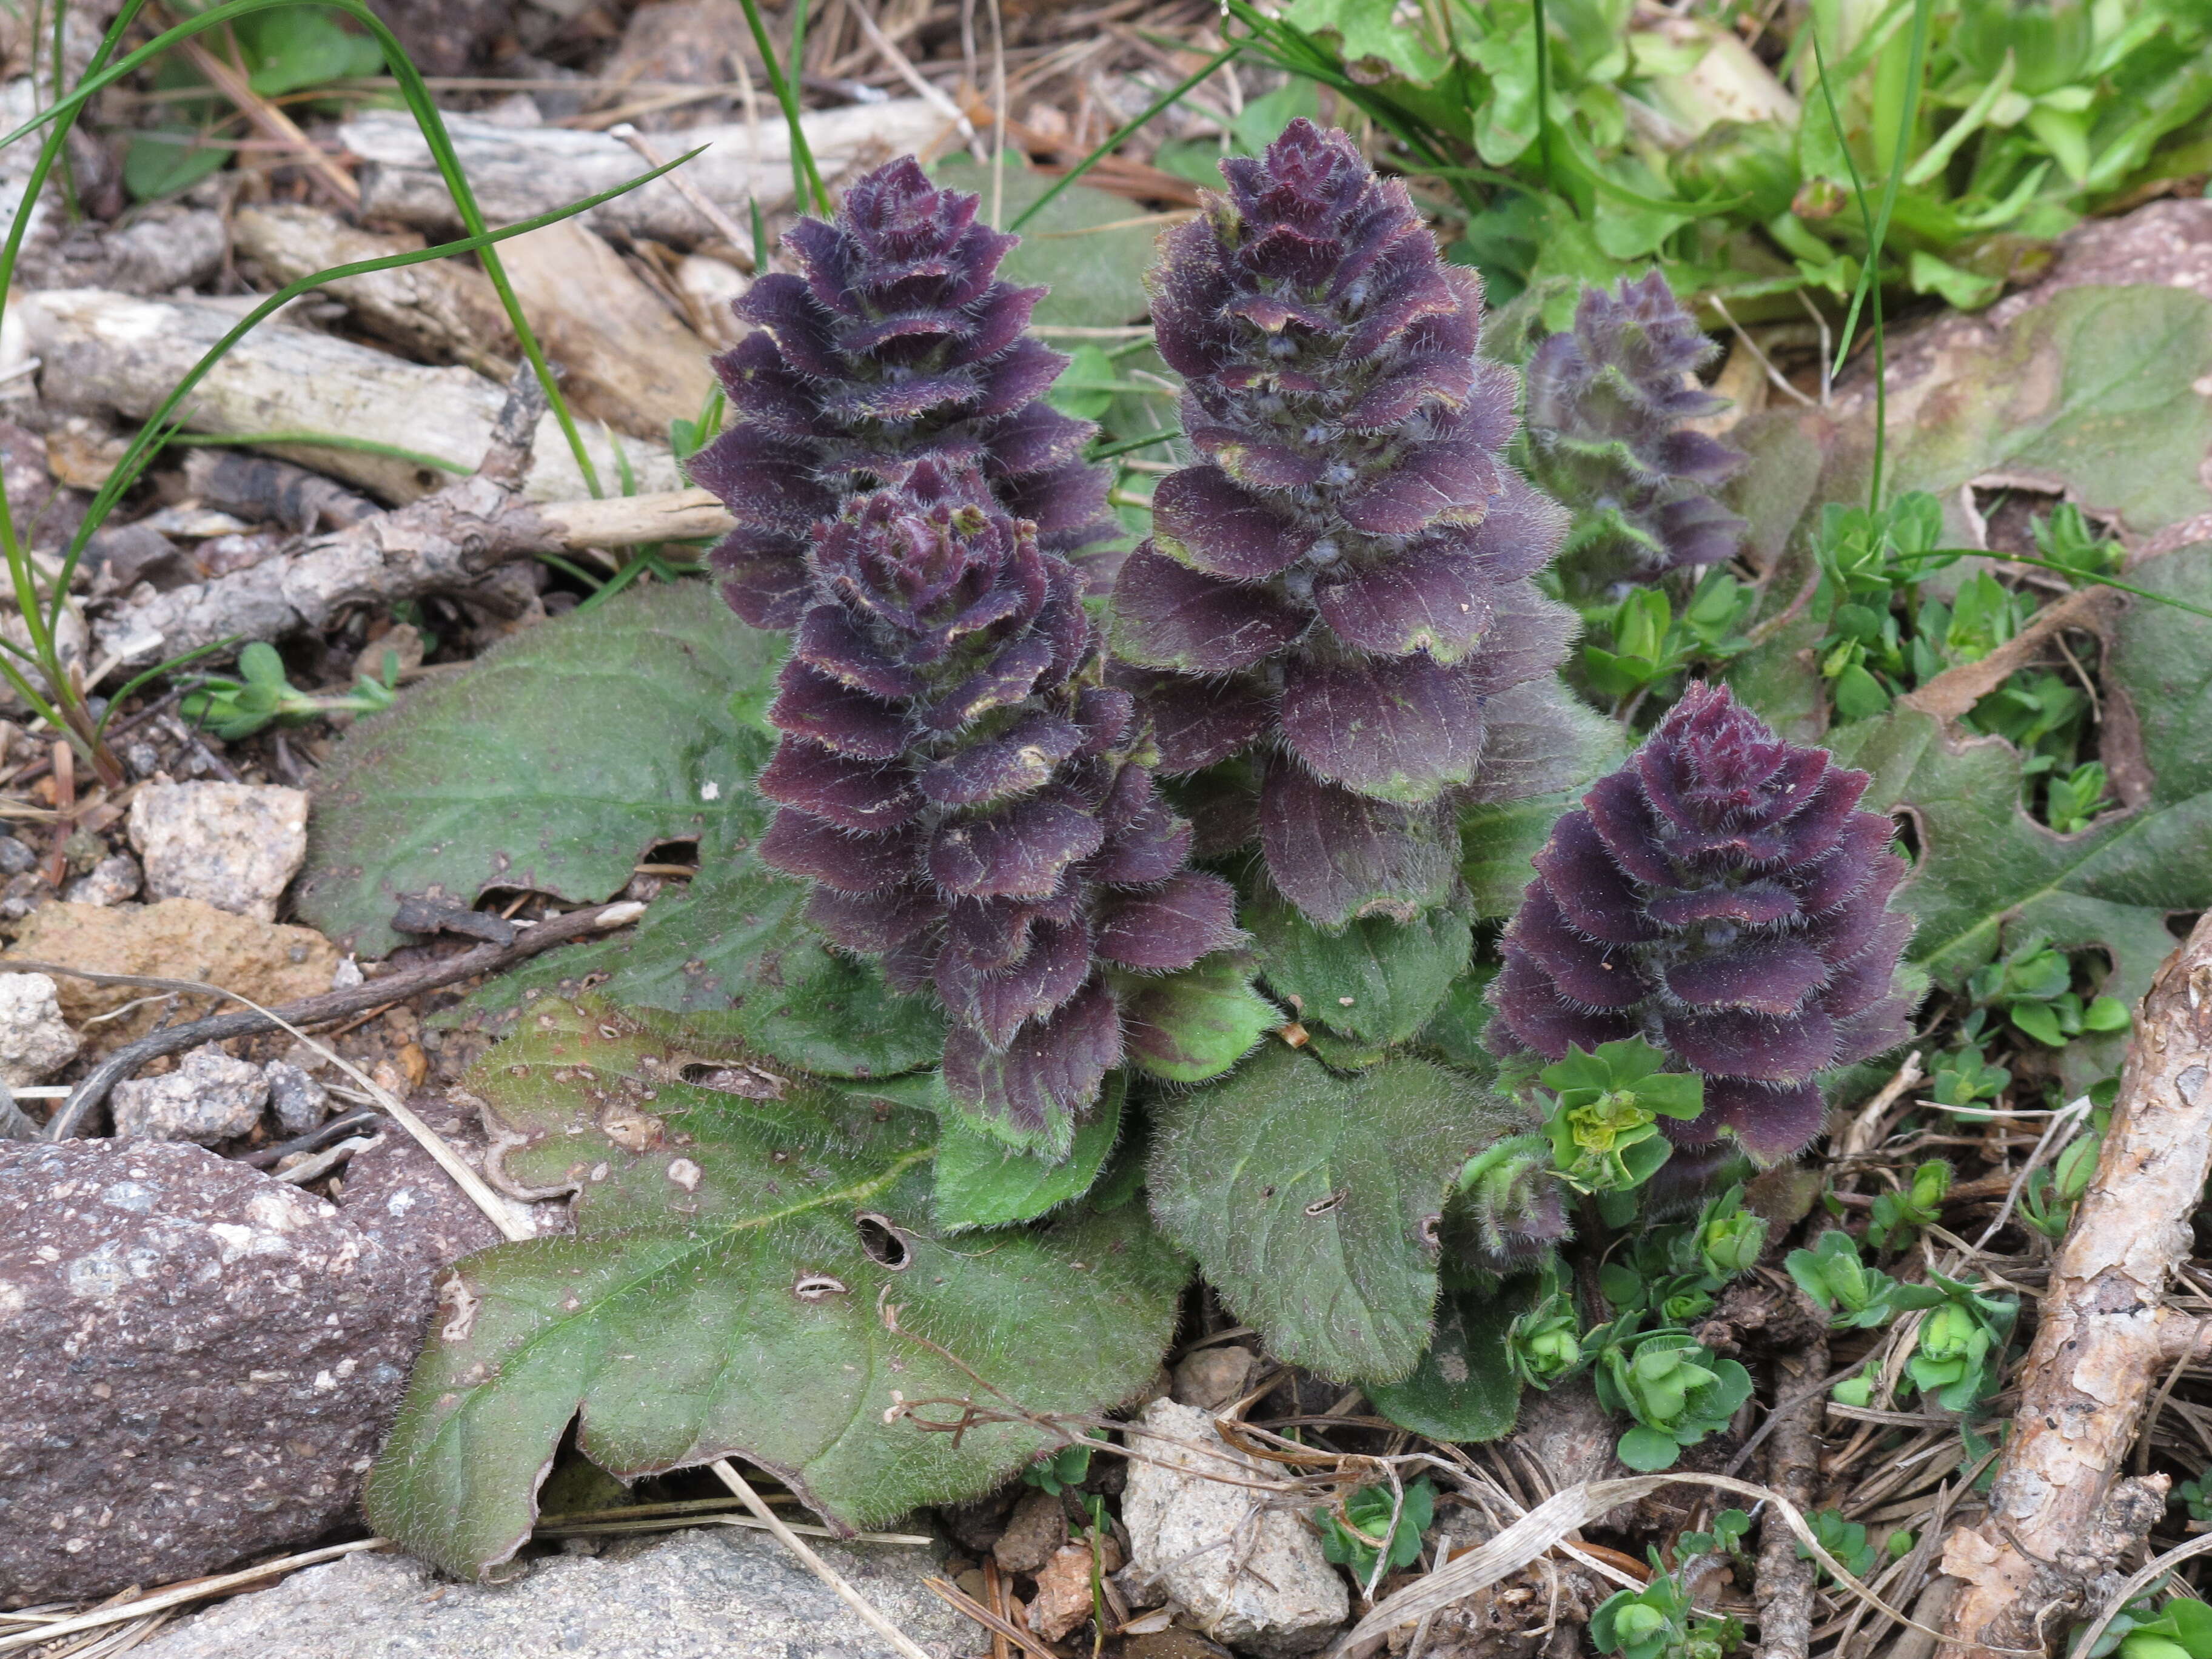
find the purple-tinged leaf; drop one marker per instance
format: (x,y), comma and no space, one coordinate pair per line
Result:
(1015,852)
(1432,483)
(801,846)
(1021,759)
(809,704)
(996,1002)
(1762,976)
(1032,1094)
(851,794)
(1168,616)
(1202,519)
(1195,722)
(1338,856)
(1171,925)
(1432,597)
(872,922)
(1400,731)
(1770,1121)
(830,640)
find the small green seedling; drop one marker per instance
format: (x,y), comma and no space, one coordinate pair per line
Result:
(261,695)
(1363,1531)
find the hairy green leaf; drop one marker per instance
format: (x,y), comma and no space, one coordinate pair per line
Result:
(1091,248)
(551,763)
(1464,1388)
(1377,980)
(754,1274)
(983,1182)
(1194,1025)
(1312,1199)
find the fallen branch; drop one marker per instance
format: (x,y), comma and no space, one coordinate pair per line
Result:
(1793,1468)
(1956,690)
(106,350)
(125,1063)
(519,172)
(2058,1516)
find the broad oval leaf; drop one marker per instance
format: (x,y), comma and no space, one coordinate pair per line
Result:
(1376,979)
(1312,1200)
(1464,1388)
(754,1274)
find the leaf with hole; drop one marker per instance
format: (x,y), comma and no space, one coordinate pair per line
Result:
(551,763)
(1312,1200)
(754,1274)
(1375,980)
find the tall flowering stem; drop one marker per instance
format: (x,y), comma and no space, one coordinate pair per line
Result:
(1341,586)
(1607,404)
(1721,896)
(895,341)
(967,800)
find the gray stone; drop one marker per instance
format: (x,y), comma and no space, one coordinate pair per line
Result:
(199,1362)
(1254,1580)
(298,1100)
(397,1195)
(16,857)
(723,1592)
(209,1098)
(35,1041)
(112,881)
(231,845)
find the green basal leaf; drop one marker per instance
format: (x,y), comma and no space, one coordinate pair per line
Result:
(551,763)
(1455,1030)
(983,1182)
(1464,1389)
(1377,979)
(755,1272)
(1090,247)
(1312,1199)
(1194,1025)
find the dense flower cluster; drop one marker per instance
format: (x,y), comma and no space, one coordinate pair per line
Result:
(958,787)
(1606,403)
(1722,897)
(1342,583)
(895,341)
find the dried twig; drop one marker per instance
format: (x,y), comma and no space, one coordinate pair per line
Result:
(2055,1511)
(1793,1468)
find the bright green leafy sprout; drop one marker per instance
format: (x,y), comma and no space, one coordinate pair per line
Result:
(687,438)
(1674,1388)
(1606,1107)
(2073,800)
(1659,1622)
(1964,1076)
(2047,1204)
(1648,642)
(2195,1496)
(1898,1217)
(1855,1296)
(2182,1629)
(1848,1542)
(1545,1343)
(261,696)
(1068,1466)
(2032,985)
(1729,1236)
(1354,1539)
(1961,1346)
(2065,538)
(1730,1527)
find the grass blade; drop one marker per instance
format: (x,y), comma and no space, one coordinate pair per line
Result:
(1164,101)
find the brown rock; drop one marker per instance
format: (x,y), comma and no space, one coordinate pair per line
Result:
(397,1195)
(177,938)
(1063,1593)
(1039,1527)
(197,1362)
(1212,1377)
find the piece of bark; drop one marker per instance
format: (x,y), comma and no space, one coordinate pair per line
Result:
(1793,1468)
(453,542)
(2056,1521)
(107,351)
(444,311)
(624,358)
(519,172)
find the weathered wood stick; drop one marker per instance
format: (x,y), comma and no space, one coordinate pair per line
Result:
(519,172)
(106,350)
(2059,1514)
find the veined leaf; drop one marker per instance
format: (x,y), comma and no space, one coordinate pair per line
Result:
(754,1274)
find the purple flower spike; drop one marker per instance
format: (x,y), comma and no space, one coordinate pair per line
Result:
(1343,582)
(1606,403)
(895,343)
(960,790)
(1722,897)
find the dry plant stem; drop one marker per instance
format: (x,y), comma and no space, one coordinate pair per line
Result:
(309,1011)
(2098,1344)
(198,1588)
(828,1575)
(1955,690)
(273,122)
(1793,1468)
